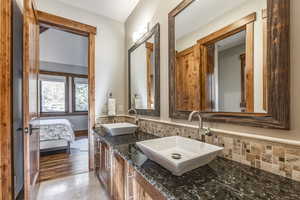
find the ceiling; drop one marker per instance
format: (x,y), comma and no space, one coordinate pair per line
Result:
(200,13)
(115,9)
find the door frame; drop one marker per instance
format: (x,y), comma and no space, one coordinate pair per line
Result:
(6,162)
(89,31)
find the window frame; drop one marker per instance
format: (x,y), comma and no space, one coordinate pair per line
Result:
(74,96)
(68,97)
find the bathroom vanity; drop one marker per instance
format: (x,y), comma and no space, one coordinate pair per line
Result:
(127,173)
(229,61)
(115,171)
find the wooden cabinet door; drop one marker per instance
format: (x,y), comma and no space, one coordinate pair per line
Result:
(105,166)
(140,193)
(129,178)
(142,190)
(118,178)
(97,146)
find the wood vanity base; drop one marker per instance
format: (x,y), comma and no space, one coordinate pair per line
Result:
(120,179)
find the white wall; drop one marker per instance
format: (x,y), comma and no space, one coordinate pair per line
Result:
(216,77)
(110,45)
(154,11)
(224,20)
(63,47)
(230,79)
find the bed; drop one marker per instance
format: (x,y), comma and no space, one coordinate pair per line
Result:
(55,135)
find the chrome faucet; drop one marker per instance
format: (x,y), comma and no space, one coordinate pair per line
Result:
(202,131)
(136,118)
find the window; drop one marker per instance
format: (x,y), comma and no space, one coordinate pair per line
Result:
(53,94)
(63,94)
(80,94)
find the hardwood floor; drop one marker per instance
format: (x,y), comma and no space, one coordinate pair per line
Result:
(62,164)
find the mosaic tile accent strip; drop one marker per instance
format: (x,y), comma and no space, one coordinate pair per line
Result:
(280,159)
(109,120)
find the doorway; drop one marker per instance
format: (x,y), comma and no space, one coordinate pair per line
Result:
(78,101)
(63,103)
(71,83)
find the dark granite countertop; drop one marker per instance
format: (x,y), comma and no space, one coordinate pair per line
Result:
(123,139)
(222,179)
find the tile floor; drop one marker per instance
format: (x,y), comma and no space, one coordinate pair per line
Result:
(79,187)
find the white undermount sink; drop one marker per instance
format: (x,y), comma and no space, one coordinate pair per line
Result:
(120,128)
(178,154)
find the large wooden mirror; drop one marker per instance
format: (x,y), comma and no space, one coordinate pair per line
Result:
(144,70)
(230,60)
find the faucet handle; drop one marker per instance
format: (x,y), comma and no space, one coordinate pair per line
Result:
(132,110)
(207,132)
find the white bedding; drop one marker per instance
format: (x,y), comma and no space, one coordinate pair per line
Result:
(56,129)
(52,144)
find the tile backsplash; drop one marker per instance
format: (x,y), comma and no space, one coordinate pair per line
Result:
(277,158)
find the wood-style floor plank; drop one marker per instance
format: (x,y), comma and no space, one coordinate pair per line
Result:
(62,164)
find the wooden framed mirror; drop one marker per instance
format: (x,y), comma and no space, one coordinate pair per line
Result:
(231,64)
(144,74)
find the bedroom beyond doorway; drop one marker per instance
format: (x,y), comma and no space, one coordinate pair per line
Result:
(63,103)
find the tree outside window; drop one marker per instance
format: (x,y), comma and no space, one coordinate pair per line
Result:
(53,94)
(81,95)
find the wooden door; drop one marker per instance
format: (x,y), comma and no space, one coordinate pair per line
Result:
(150,75)
(243,104)
(188,87)
(5,100)
(17,98)
(207,74)
(30,99)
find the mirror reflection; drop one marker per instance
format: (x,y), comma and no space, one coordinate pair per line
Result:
(142,75)
(221,56)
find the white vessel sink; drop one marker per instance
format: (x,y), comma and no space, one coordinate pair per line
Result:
(178,154)
(120,128)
